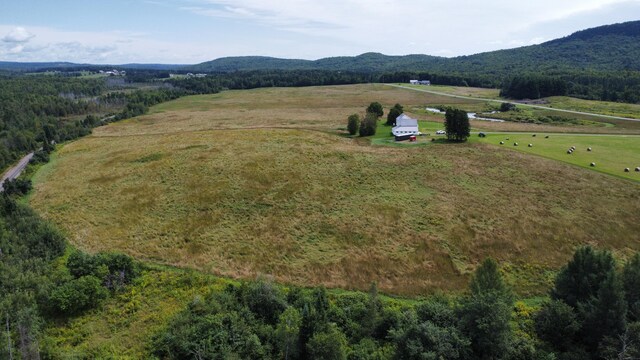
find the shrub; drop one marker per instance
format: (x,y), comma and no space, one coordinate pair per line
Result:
(76,296)
(353,123)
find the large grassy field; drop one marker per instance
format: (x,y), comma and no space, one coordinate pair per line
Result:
(260,182)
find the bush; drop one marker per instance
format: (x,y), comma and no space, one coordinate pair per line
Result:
(353,123)
(76,296)
(504,107)
(330,345)
(17,187)
(115,270)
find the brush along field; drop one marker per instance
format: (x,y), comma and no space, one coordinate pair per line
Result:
(259,182)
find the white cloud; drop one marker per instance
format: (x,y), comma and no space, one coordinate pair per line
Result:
(18,35)
(312,29)
(461,27)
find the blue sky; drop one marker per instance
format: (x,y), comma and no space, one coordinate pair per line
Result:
(193,31)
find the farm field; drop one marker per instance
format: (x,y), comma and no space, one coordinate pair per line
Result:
(261,182)
(611,154)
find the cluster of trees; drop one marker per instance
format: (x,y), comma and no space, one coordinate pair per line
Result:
(593,313)
(368,125)
(594,310)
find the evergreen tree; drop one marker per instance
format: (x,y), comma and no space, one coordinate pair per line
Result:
(486,312)
(631,284)
(604,316)
(580,280)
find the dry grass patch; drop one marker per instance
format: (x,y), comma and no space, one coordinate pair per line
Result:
(310,207)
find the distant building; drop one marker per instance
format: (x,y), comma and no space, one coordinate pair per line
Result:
(424,82)
(405,126)
(413,82)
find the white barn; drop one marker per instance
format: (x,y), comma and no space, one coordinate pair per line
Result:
(405,125)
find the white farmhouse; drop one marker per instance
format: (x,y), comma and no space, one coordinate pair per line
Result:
(405,125)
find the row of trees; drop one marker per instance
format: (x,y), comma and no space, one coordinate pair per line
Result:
(592,314)
(368,125)
(609,86)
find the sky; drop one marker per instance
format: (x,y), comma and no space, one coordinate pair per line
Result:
(194,31)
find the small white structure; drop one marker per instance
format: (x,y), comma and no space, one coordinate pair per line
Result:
(405,125)
(413,82)
(419,82)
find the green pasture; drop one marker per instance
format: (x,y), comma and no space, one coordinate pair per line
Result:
(610,153)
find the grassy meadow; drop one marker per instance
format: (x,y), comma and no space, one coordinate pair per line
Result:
(260,182)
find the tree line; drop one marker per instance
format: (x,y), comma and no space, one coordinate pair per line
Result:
(591,313)
(38,110)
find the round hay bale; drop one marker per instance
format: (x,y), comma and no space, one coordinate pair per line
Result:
(530,145)
(626,170)
(638,169)
(507,139)
(546,137)
(588,149)
(534,135)
(569,151)
(501,142)
(515,144)
(593,164)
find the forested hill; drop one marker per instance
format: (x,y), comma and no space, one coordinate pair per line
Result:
(602,49)
(368,62)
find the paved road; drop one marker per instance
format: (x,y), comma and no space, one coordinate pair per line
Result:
(15,171)
(504,101)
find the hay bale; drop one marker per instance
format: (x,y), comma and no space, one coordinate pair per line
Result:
(534,135)
(546,137)
(588,149)
(626,170)
(501,142)
(515,144)
(569,151)
(593,164)
(638,169)
(507,139)
(530,145)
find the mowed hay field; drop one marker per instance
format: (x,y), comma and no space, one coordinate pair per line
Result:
(610,153)
(197,184)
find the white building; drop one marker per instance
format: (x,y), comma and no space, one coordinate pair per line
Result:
(405,125)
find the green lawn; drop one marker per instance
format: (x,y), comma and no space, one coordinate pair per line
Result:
(611,153)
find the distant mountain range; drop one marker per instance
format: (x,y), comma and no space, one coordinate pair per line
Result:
(610,48)
(39,66)
(605,48)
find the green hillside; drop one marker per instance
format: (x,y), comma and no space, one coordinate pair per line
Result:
(606,48)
